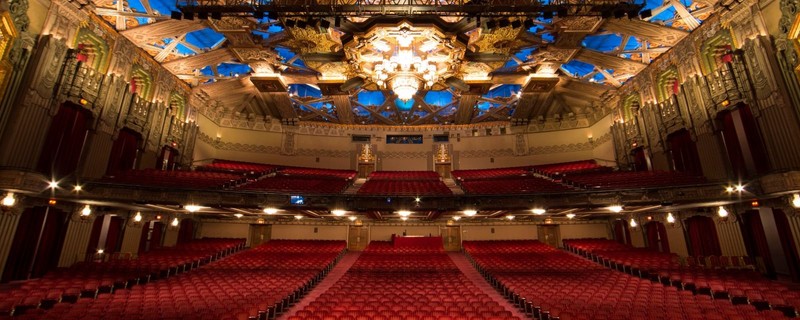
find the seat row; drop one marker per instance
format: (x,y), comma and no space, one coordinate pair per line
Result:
(558,169)
(90,279)
(408,283)
(176,179)
(553,284)
(739,286)
(299,185)
(495,173)
(515,185)
(404,175)
(254,284)
(405,188)
(632,180)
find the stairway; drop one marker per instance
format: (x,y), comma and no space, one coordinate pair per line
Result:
(353,189)
(450,183)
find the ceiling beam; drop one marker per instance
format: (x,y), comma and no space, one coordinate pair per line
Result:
(652,32)
(188,64)
(127,14)
(169,48)
(344,109)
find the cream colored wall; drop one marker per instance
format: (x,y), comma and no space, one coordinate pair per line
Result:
(171,236)
(384,233)
(224,230)
(75,242)
(501,232)
(585,230)
(771,8)
(677,241)
(730,238)
(130,239)
(306,232)
(8,227)
(37,12)
(470,152)
(637,237)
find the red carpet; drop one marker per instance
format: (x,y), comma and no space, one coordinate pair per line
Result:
(336,273)
(470,273)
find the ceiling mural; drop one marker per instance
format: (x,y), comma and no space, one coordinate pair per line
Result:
(405,70)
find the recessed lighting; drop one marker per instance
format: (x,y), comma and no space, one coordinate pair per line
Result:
(338,213)
(739,188)
(270,210)
(538,211)
(470,213)
(729,189)
(417,199)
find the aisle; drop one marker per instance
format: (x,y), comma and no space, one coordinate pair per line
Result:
(470,273)
(336,273)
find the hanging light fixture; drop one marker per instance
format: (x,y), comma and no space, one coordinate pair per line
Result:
(405,86)
(404,218)
(352,218)
(510,217)
(238,215)
(298,217)
(456,218)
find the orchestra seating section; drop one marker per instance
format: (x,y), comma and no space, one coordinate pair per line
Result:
(253,284)
(91,279)
(729,280)
(388,282)
(553,284)
(404,183)
(177,179)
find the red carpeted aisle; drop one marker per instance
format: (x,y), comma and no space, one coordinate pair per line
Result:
(469,271)
(338,271)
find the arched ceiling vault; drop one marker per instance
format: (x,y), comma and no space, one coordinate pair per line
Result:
(529,70)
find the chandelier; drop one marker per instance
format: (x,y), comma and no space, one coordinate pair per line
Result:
(405,59)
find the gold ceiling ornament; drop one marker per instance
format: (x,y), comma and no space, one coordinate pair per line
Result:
(311,40)
(502,40)
(405,58)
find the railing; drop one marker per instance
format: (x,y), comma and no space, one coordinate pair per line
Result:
(84,82)
(724,85)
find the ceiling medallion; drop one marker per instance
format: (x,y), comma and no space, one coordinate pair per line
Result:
(405,59)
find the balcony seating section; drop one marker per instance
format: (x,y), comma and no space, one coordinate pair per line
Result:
(176,179)
(736,283)
(298,185)
(237,167)
(314,172)
(632,180)
(404,175)
(563,168)
(404,188)
(254,284)
(496,173)
(517,185)
(553,284)
(391,283)
(91,279)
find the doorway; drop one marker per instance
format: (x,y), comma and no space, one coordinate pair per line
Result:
(451,236)
(358,238)
(550,235)
(260,234)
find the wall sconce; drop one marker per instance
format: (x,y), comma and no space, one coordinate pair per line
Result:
(175,222)
(796,200)
(633,223)
(9,200)
(670,218)
(722,213)
(86,212)
(591,139)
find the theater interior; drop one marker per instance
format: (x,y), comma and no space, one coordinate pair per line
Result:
(399,159)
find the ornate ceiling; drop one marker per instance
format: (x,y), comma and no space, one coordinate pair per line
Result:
(465,70)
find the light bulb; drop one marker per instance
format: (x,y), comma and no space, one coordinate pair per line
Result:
(86,211)
(404,213)
(739,188)
(78,188)
(53,184)
(570,215)
(238,215)
(175,222)
(633,223)
(456,218)
(470,213)
(298,217)
(9,200)
(615,209)
(192,208)
(338,213)
(670,218)
(729,189)
(270,210)
(137,217)
(404,218)
(100,251)
(352,218)
(538,211)
(722,212)
(510,217)
(796,200)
